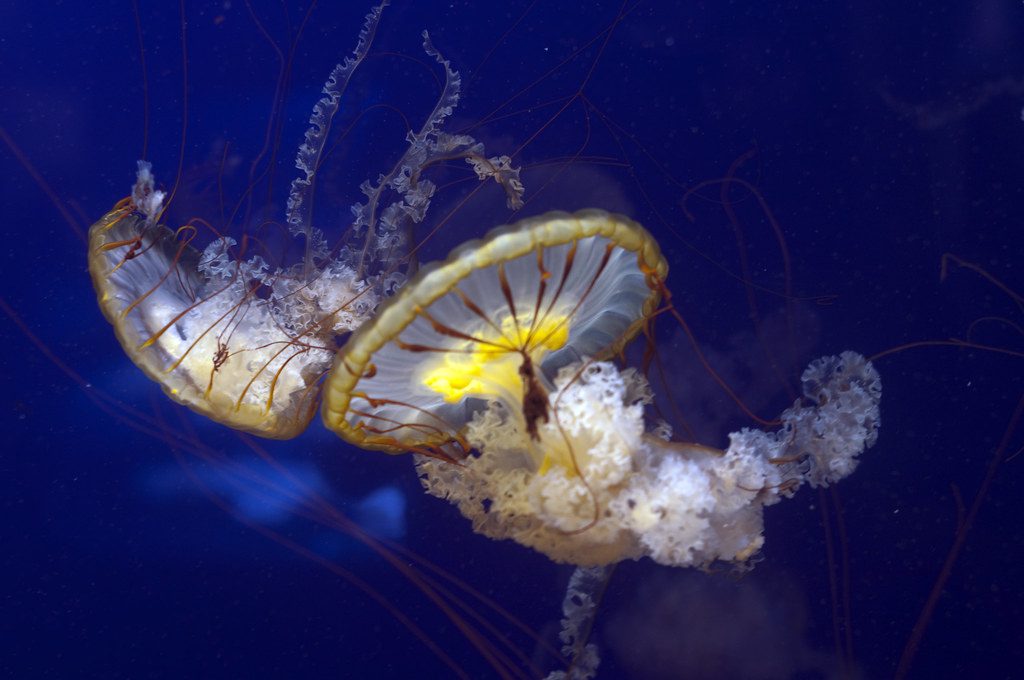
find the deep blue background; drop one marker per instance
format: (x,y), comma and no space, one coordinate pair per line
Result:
(883,135)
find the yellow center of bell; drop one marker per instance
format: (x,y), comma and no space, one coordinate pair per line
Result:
(489,365)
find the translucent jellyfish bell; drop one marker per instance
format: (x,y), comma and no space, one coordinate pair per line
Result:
(493,322)
(192,321)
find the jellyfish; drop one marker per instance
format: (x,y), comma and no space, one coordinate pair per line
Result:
(496,319)
(241,336)
(947,401)
(492,367)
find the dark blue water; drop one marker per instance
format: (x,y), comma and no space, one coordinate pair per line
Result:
(880,137)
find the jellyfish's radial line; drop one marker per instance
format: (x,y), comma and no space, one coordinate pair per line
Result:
(156,336)
(393,425)
(182,246)
(133,245)
(608,249)
(475,309)
(426,448)
(177,362)
(273,382)
(447,431)
(542,287)
(419,349)
(570,260)
(506,290)
(444,329)
(126,243)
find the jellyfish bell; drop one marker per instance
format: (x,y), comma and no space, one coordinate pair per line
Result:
(496,320)
(220,330)
(197,328)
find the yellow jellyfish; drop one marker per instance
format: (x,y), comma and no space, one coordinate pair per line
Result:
(239,336)
(490,365)
(496,320)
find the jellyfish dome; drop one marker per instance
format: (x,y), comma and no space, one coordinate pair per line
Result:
(495,321)
(490,366)
(195,321)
